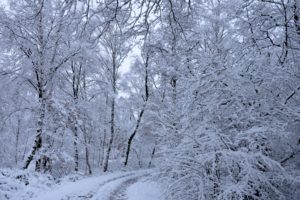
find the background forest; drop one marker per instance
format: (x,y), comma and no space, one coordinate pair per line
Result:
(205,91)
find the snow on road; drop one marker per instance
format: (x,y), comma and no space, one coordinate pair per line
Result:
(82,189)
(144,190)
(116,186)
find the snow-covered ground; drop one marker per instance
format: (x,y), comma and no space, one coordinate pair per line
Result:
(115,186)
(145,190)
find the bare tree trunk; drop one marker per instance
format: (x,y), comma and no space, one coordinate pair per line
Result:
(103,148)
(152,156)
(17,140)
(112,134)
(76,155)
(132,136)
(141,113)
(87,155)
(87,160)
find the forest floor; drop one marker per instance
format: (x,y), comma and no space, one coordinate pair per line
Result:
(135,185)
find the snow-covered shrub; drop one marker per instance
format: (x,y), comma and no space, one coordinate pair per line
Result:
(205,168)
(18,185)
(62,165)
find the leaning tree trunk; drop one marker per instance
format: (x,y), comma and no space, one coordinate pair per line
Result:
(141,112)
(152,156)
(132,136)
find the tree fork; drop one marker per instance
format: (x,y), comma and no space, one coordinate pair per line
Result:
(36,147)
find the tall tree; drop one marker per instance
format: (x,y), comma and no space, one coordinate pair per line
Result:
(37,29)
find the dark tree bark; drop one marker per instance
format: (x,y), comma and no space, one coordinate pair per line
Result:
(152,156)
(146,87)
(38,138)
(76,155)
(112,134)
(40,87)
(132,136)
(297,16)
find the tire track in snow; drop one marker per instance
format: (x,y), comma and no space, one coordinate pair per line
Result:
(120,192)
(90,188)
(113,188)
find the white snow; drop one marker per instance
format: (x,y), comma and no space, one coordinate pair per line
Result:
(20,185)
(104,192)
(83,187)
(96,187)
(145,190)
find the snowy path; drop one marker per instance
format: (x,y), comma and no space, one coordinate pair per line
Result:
(144,190)
(137,188)
(117,186)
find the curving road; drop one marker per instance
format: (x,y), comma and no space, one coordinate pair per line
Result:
(108,187)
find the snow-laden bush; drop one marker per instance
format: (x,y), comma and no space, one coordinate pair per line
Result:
(209,167)
(18,184)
